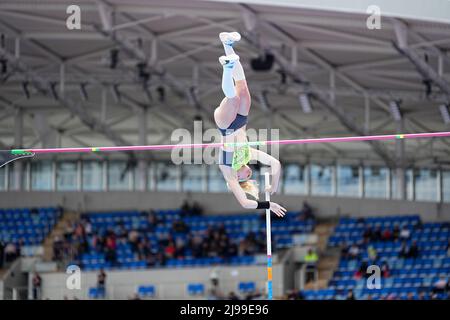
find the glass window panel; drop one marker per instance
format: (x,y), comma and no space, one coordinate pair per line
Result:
(216,182)
(446,186)
(3,179)
(166,177)
(118,177)
(321,180)
(409,185)
(375,182)
(426,185)
(92,175)
(151,177)
(15,175)
(138,177)
(295,179)
(348,181)
(193,177)
(67,176)
(41,175)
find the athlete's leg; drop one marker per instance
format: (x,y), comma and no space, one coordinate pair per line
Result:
(228,39)
(225,114)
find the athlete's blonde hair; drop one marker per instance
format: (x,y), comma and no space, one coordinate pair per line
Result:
(251,188)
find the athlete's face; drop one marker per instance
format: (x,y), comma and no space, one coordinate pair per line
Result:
(244,173)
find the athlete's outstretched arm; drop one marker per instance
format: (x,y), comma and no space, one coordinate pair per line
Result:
(241,197)
(275,166)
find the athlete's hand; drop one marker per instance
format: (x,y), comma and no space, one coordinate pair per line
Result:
(270,189)
(277,209)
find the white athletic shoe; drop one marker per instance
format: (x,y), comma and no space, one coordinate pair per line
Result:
(228,61)
(229,38)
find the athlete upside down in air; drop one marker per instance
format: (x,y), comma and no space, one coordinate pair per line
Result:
(231,119)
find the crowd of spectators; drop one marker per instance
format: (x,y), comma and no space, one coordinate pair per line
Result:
(9,251)
(80,237)
(397,234)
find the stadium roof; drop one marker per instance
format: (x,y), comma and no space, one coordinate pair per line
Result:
(352,75)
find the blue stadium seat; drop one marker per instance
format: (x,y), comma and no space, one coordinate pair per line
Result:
(195,289)
(246,287)
(146,291)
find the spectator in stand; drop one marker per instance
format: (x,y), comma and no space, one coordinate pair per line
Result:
(121,231)
(376,235)
(152,221)
(372,253)
(160,259)
(386,235)
(143,249)
(345,251)
(2,252)
(385,270)
(413,251)
(186,208)
(133,240)
(350,295)
(367,234)
(111,248)
(88,226)
(311,259)
(403,253)
(180,248)
(360,221)
(68,231)
(362,270)
(307,212)
(37,284)
(396,232)
(405,233)
(170,250)
(10,252)
(353,252)
(233,296)
(101,283)
(135,296)
(295,295)
(197,209)
(57,248)
(440,286)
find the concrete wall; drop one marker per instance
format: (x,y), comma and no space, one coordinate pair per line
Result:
(169,283)
(220,203)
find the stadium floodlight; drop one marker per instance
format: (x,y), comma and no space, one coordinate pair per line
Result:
(444,108)
(305,102)
(394,107)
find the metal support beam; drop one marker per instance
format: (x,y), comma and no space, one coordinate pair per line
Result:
(299,77)
(400,163)
(142,163)
(427,72)
(44,87)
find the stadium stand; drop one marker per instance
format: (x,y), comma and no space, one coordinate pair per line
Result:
(21,228)
(138,240)
(413,257)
